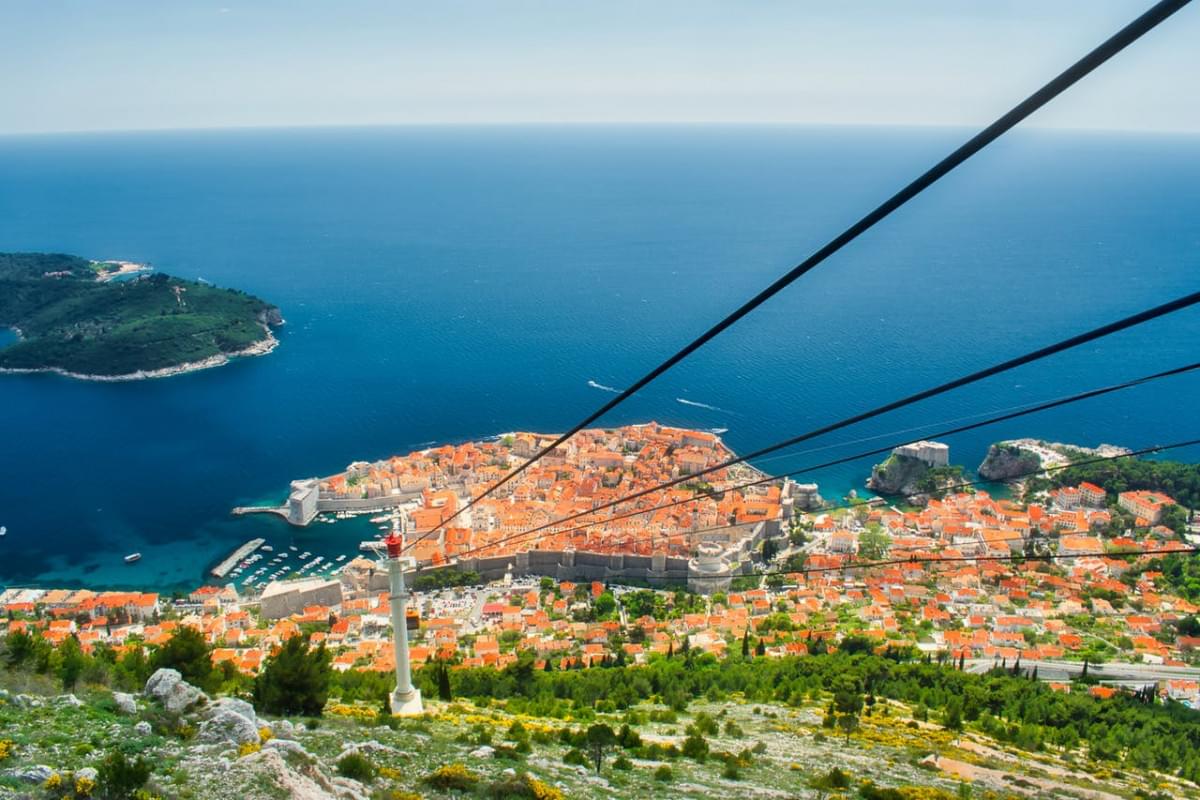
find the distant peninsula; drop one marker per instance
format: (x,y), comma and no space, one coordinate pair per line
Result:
(116,320)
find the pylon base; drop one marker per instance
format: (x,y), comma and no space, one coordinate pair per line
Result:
(407,704)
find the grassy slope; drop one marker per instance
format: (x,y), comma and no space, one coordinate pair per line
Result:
(887,750)
(77,324)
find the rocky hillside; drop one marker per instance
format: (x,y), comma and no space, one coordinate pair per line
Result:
(1008,460)
(912,478)
(194,746)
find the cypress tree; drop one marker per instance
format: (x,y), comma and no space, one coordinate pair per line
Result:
(443,681)
(746,643)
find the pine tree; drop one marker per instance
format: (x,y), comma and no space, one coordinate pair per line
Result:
(295,680)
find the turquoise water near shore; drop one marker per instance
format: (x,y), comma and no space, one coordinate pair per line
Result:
(444,284)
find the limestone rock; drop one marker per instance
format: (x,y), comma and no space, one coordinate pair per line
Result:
(365,748)
(87,772)
(286,746)
(143,728)
(168,687)
(227,726)
(293,785)
(125,703)
(37,773)
(283,729)
(68,700)
(349,789)
(485,751)
(231,704)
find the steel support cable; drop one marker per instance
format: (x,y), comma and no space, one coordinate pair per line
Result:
(1064,80)
(828,509)
(1066,344)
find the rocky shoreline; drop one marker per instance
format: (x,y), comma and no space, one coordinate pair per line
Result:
(259,348)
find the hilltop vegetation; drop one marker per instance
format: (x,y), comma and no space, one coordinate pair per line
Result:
(683,726)
(71,321)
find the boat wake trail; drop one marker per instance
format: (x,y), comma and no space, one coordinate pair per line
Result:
(603,388)
(703,405)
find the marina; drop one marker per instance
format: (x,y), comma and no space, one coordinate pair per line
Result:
(223,569)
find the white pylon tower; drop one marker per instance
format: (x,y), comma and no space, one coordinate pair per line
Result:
(406,699)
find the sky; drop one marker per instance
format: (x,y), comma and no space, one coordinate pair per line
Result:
(81,65)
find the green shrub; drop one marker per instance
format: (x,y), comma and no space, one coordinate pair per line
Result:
(576,757)
(696,748)
(356,767)
(663,774)
(452,777)
(119,778)
(622,763)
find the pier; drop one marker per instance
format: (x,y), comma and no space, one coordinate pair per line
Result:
(222,569)
(280,510)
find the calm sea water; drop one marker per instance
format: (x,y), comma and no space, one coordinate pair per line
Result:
(448,284)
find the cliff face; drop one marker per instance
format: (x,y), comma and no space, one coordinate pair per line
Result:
(271,316)
(1005,461)
(897,475)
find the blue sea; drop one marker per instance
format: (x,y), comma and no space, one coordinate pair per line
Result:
(445,284)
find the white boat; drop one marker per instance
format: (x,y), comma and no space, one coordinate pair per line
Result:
(132,557)
(267,548)
(292,547)
(3,531)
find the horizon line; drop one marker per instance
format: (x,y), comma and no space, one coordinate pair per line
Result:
(699,123)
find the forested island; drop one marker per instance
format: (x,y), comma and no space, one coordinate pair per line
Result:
(105,320)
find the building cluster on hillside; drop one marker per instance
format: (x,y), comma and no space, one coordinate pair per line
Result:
(595,467)
(948,585)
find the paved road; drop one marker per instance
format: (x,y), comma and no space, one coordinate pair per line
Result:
(1112,671)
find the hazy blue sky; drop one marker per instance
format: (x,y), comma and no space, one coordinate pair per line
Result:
(121,64)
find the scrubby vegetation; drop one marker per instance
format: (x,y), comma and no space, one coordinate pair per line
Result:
(71,321)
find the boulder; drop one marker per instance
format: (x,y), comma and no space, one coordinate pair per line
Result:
(349,789)
(231,704)
(143,728)
(485,751)
(286,746)
(366,749)
(283,729)
(305,785)
(227,727)
(68,700)
(125,703)
(168,687)
(90,773)
(26,701)
(37,773)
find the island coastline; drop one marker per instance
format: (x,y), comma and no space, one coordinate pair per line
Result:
(259,348)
